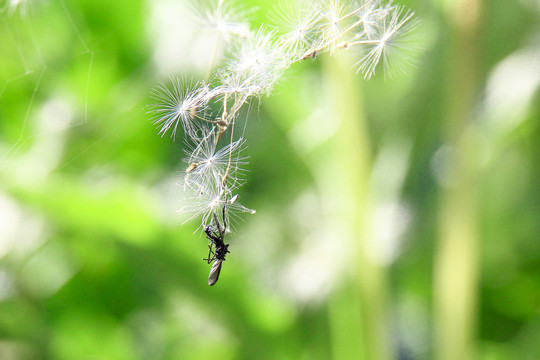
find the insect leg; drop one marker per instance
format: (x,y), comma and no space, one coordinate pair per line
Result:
(211,253)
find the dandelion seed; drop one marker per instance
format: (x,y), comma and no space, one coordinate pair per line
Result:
(256,54)
(392,42)
(298,27)
(191,167)
(213,165)
(242,85)
(205,203)
(225,18)
(236,207)
(330,29)
(258,62)
(370,17)
(179,104)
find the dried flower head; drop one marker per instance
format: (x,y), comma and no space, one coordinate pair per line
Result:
(209,111)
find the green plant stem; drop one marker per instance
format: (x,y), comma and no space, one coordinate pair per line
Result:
(456,260)
(353,150)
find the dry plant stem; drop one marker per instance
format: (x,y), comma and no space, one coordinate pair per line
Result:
(348,44)
(355,11)
(352,27)
(226,120)
(224,183)
(206,120)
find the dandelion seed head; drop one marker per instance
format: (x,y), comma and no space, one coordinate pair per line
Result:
(254,63)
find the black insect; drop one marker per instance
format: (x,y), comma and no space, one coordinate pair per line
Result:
(218,248)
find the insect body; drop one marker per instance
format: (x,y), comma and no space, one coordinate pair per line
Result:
(218,248)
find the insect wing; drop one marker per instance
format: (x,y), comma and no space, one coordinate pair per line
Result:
(214,272)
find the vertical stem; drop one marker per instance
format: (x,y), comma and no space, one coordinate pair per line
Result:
(212,59)
(232,140)
(345,328)
(216,44)
(354,154)
(456,260)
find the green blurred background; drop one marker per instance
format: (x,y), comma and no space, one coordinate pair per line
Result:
(396,219)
